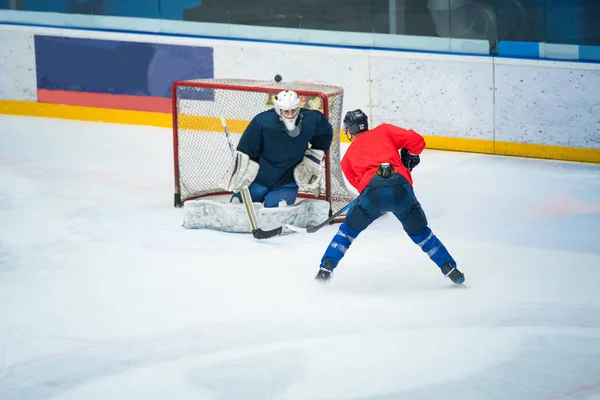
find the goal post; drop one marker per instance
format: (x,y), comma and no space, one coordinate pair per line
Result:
(201,151)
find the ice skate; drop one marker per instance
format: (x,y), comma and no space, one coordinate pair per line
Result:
(324,274)
(453,273)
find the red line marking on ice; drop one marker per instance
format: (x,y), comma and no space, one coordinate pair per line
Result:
(578,390)
(83,340)
(92,344)
(561,206)
(9,368)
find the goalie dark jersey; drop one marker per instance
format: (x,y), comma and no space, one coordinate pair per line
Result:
(269,143)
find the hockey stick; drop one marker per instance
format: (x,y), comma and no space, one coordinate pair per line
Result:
(313,229)
(247,200)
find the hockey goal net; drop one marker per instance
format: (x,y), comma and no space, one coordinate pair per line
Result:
(201,149)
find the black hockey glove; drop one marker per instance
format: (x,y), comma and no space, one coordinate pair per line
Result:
(409,160)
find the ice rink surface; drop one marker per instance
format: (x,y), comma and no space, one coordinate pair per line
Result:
(103,295)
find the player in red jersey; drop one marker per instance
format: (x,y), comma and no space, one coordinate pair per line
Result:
(378,164)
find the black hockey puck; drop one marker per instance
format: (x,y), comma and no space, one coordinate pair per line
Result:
(278,78)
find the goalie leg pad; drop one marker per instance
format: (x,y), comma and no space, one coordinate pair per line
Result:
(240,174)
(231,217)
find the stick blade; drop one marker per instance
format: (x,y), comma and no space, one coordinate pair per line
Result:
(261,234)
(296,229)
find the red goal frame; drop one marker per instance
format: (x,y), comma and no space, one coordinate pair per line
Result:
(178,202)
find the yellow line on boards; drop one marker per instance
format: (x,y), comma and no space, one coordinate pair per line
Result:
(548,151)
(514,149)
(192,122)
(459,144)
(34,109)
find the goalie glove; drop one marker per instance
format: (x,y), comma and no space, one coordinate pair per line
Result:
(240,174)
(408,159)
(308,173)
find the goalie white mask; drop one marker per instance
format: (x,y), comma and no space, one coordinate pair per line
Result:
(287,106)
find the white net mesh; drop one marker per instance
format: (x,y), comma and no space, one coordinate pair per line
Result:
(202,152)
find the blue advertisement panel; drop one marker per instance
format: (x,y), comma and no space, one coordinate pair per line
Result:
(115,67)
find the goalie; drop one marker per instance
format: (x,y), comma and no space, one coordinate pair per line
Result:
(280,152)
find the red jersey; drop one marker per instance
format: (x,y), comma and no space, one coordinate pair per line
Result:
(379,145)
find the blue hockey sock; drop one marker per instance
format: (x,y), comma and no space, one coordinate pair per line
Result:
(434,248)
(339,245)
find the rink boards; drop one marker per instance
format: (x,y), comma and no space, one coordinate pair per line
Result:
(535,108)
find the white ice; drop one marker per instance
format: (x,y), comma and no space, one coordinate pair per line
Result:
(103,294)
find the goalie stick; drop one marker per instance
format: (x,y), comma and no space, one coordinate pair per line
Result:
(313,229)
(247,200)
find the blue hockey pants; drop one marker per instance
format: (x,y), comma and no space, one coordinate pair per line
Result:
(271,197)
(395,195)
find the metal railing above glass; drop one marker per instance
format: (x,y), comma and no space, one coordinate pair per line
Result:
(465,26)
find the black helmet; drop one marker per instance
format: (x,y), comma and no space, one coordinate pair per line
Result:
(356,122)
